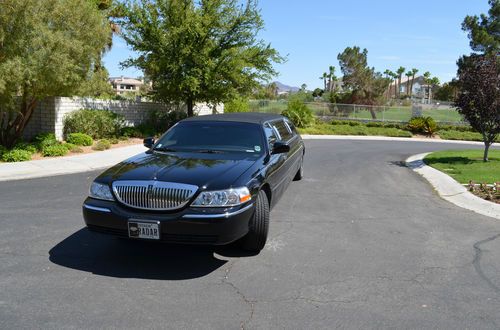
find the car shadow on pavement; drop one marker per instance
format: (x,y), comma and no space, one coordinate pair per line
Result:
(109,256)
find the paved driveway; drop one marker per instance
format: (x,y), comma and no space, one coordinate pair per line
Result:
(361,242)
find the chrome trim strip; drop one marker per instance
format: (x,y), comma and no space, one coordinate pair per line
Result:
(216,216)
(95,208)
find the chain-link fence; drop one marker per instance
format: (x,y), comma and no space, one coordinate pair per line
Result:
(439,112)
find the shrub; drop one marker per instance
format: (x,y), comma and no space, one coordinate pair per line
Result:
(95,123)
(161,120)
(146,130)
(54,150)
(298,113)
(129,132)
(72,147)
(2,150)
(422,125)
(29,147)
(43,140)
(16,155)
(238,104)
(79,139)
(102,145)
(114,140)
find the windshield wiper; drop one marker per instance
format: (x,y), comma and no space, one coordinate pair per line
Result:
(164,149)
(210,151)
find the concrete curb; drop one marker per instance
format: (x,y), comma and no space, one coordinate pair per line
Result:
(383,138)
(67,165)
(451,190)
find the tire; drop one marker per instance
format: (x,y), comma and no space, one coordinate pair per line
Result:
(255,239)
(300,173)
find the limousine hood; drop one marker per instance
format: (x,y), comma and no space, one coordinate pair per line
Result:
(213,171)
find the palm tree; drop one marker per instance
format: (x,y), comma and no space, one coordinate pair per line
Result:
(331,78)
(400,72)
(413,73)
(394,77)
(325,75)
(273,89)
(408,75)
(430,82)
(389,74)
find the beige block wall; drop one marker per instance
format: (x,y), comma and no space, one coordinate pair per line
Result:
(49,114)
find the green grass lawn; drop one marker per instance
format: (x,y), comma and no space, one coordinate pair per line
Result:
(466,165)
(327,129)
(358,112)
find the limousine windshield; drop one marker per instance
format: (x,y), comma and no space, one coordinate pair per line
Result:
(212,137)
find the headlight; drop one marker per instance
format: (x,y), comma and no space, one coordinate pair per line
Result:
(100,191)
(222,198)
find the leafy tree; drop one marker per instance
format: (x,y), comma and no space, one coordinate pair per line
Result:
(47,48)
(318,92)
(303,87)
(447,92)
(400,72)
(484,31)
(96,84)
(479,97)
(366,85)
(198,51)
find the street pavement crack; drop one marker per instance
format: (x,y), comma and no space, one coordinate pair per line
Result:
(249,303)
(477,262)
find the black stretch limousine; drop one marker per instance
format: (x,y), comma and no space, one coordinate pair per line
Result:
(208,180)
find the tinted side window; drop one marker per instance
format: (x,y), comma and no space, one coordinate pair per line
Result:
(291,126)
(282,130)
(270,135)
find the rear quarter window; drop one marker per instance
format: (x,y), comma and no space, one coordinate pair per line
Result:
(283,130)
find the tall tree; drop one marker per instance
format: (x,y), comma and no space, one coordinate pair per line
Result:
(479,96)
(393,76)
(366,85)
(47,48)
(484,31)
(324,77)
(400,72)
(431,83)
(413,73)
(199,51)
(408,78)
(331,78)
(97,82)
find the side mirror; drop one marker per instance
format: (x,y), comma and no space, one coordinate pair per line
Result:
(280,147)
(148,142)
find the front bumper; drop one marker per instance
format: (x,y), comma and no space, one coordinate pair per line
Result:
(188,226)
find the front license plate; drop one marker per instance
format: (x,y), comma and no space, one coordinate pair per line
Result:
(144,229)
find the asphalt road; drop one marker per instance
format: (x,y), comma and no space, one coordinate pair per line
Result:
(361,242)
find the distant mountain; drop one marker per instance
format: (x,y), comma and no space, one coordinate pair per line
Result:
(286,88)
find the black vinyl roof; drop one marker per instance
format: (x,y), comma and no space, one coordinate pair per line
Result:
(242,117)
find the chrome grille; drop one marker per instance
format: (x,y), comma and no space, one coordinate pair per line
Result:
(153,195)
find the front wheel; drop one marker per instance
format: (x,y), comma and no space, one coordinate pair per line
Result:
(256,238)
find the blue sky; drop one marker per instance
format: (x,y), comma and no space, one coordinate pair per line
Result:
(424,34)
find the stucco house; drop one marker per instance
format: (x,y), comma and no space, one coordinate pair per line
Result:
(123,85)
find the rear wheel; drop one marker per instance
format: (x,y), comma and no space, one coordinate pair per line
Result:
(256,238)
(300,173)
